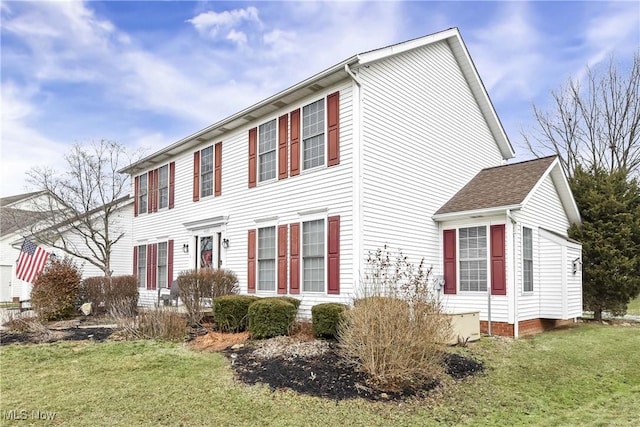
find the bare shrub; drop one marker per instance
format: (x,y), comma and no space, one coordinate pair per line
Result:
(161,323)
(56,289)
(92,290)
(25,323)
(395,331)
(104,292)
(198,288)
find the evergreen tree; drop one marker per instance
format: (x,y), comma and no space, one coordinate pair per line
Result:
(609,203)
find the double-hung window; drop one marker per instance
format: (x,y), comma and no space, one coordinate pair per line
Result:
(206,172)
(313,134)
(313,253)
(142,193)
(267,259)
(473,258)
(162,265)
(267,151)
(142,266)
(163,187)
(527,260)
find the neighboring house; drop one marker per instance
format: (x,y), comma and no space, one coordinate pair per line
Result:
(294,192)
(23,215)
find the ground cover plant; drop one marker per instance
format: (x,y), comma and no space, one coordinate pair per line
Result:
(584,375)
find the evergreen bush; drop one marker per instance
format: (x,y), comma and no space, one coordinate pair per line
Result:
(271,317)
(230,312)
(326,318)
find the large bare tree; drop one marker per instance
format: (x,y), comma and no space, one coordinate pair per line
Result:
(80,216)
(593,122)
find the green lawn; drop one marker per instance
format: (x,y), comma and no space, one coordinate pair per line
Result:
(586,375)
(634,307)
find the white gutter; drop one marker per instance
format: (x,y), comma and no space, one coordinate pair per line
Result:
(512,273)
(477,213)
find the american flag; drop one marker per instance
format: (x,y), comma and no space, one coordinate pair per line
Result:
(31,261)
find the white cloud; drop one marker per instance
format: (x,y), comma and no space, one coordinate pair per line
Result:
(238,37)
(212,23)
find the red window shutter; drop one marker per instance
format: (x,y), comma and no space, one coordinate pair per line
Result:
(282,259)
(498,265)
(218,170)
(156,188)
(251,265)
(149,266)
(283,149)
(135,261)
(172,184)
(450,267)
(196,176)
(294,259)
(295,142)
(150,191)
(333,127)
(169,263)
(333,254)
(253,156)
(136,194)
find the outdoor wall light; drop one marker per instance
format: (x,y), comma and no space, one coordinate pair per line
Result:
(225,243)
(577,264)
(185,248)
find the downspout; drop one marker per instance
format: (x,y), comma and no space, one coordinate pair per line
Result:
(512,270)
(356,179)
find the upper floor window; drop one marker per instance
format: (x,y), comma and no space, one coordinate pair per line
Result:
(142,193)
(206,172)
(313,130)
(267,151)
(313,253)
(163,187)
(527,260)
(267,259)
(473,258)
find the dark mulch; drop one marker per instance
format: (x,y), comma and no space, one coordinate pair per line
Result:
(70,334)
(330,376)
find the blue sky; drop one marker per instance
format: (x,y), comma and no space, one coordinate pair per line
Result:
(149,73)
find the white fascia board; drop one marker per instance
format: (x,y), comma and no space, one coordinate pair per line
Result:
(477,213)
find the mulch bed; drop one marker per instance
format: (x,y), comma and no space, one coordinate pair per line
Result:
(71,334)
(328,375)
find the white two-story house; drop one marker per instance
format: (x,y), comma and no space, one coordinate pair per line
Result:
(293,192)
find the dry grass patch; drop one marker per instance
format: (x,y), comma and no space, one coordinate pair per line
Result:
(217,341)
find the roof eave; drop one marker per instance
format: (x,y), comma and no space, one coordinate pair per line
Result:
(475,213)
(245,114)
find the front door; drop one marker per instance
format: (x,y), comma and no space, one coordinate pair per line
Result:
(209,251)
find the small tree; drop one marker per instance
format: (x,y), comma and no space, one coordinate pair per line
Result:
(55,291)
(610,236)
(80,216)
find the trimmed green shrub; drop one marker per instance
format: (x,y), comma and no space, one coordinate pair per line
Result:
(326,318)
(271,317)
(230,312)
(291,300)
(56,289)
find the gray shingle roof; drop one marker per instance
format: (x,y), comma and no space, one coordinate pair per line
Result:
(499,186)
(9,200)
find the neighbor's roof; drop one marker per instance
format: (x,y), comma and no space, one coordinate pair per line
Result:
(328,77)
(12,220)
(508,187)
(9,200)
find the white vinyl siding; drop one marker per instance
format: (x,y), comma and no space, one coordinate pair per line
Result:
(267,145)
(527,260)
(163,187)
(161,271)
(313,136)
(313,253)
(142,266)
(142,193)
(473,258)
(267,259)
(206,172)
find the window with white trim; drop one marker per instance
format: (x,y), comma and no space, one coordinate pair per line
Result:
(142,193)
(206,171)
(473,258)
(163,187)
(527,259)
(161,268)
(313,134)
(267,259)
(267,145)
(313,254)
(142,266)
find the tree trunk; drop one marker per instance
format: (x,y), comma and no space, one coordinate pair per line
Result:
(597,315)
